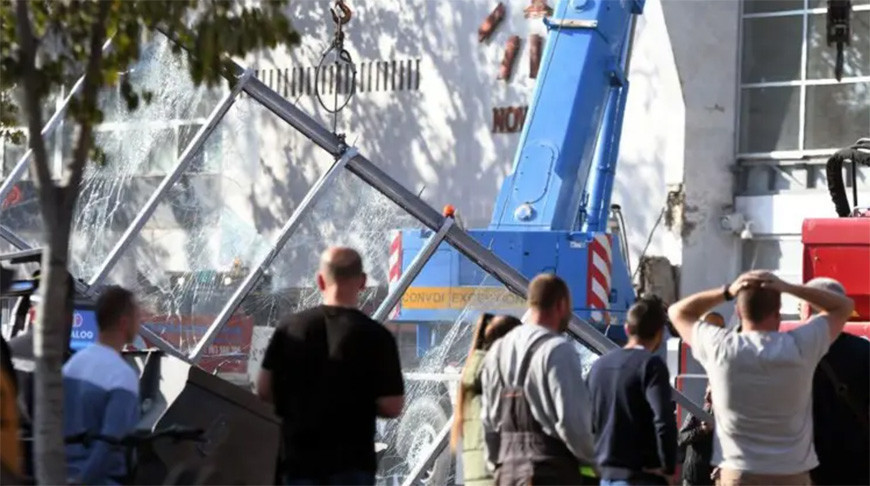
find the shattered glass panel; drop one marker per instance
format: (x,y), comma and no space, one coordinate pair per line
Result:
(139,147)
(19,210)
(20,214)
(213,226)
(433,323)
(349,212)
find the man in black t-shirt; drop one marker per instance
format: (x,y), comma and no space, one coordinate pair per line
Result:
(331,371)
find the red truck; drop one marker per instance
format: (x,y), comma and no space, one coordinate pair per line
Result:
(840,249)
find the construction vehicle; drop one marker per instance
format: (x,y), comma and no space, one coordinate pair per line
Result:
(553,211)
(839,248)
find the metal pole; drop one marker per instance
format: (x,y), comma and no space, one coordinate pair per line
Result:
(16,241)
(289,227)
(300,120)
(21,167)
(161,343)
(186,158)
(410,274)
(431,454)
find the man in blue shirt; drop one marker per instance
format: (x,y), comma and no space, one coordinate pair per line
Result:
(101,392)
(632,410)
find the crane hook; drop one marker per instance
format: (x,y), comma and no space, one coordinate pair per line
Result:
(342,17)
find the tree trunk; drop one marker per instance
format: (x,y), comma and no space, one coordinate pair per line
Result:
(49,345)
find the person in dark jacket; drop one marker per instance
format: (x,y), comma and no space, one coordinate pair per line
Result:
(696,440)
(632,409)
(841,400)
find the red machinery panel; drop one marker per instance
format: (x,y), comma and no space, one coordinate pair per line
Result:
(840,249)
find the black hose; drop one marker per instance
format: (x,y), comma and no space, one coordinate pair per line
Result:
(857,154)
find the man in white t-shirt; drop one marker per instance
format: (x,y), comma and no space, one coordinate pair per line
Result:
(761,379)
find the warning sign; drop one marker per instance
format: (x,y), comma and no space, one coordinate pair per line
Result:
(481,298)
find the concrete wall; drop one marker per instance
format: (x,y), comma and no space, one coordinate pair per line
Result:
(704,38)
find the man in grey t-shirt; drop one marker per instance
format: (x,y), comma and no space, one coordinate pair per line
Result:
(761,379)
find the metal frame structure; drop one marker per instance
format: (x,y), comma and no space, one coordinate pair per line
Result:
(193,147)
(56,119)
(287,231)
(346,158)
(412,271)
(801,82)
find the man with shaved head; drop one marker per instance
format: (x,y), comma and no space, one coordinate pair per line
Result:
(841,403)
(761,378)
(331,371)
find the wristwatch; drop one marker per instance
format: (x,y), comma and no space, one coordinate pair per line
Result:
(726,293)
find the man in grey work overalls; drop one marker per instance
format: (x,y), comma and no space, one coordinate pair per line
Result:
(536,407)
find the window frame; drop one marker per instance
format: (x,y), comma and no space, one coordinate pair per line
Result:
(802,83)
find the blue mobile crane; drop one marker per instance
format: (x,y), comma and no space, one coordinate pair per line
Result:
(552,212)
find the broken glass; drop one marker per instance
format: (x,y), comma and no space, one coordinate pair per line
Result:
(140,147)
(348,212)
(214,225)
(133,142)
(20,209)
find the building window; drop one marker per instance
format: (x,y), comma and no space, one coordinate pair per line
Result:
(791,105)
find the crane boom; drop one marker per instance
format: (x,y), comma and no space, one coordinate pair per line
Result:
(574,122)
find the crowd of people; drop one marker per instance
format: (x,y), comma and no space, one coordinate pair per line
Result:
(790,408)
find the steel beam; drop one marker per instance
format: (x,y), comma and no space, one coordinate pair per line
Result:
(13,238)
(289,228)
(20,168)
(287,111)
(193,147)
(412,271)
(161,343)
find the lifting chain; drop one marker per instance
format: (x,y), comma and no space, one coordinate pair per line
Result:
(341,15)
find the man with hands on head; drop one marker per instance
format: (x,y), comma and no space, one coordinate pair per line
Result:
(762,378)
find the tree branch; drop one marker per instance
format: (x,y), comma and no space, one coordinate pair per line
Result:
(90,89)
(32,102)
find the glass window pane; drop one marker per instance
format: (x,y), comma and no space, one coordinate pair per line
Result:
(772,49)
(113,192)
(758,6)
(348,212)
(12,153)
(20,213)
(822,58)
(210,229)
(769,119)
(135,144)
(837,114)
